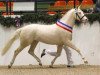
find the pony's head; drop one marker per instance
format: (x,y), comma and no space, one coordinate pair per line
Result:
(79,15)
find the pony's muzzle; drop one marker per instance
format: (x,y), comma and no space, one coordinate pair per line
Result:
(85,21)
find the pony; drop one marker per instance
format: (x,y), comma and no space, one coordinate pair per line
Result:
(59,34)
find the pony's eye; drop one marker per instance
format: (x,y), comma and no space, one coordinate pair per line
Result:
(79,12)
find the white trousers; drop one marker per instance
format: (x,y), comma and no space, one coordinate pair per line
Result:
(68,54)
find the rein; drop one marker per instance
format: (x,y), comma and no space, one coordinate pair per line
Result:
(64,26)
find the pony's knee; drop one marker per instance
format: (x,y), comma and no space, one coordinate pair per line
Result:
(16,52)
(58,54)
(30,52)
(78,51)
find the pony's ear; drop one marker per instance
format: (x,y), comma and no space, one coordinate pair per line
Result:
(79,7)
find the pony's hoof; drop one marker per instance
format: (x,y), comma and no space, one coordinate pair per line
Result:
(9,66)
(50,66)
(40,64)
(86,62)
(70,66)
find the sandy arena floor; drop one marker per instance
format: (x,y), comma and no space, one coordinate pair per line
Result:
(45,70)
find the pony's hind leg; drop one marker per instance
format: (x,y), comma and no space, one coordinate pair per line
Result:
(19,49)
(71,45)
(59,49)
(31,51)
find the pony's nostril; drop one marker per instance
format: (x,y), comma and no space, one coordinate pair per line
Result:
(86,19)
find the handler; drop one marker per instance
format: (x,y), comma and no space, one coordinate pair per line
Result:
(52,53)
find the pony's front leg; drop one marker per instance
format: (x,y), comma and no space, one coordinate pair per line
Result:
(59,49)
(71,45)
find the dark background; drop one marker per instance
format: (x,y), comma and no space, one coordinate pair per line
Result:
(39,0)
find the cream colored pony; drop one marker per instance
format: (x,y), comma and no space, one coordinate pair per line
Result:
(57,34)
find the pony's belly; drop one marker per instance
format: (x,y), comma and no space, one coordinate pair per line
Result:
(50,41)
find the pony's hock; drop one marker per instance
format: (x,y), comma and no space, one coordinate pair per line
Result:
(50,34)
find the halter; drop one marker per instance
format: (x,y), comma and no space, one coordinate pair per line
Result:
(78,15)
(64,26)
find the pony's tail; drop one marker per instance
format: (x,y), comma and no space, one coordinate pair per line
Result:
(10,41)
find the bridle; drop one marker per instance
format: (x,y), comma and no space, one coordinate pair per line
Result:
(77,15)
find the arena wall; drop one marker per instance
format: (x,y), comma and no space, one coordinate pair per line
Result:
(86,37)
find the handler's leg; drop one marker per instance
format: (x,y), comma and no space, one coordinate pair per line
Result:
(68,55)
(44,52)
(52,53)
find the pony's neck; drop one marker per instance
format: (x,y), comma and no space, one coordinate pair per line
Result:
(68,18)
